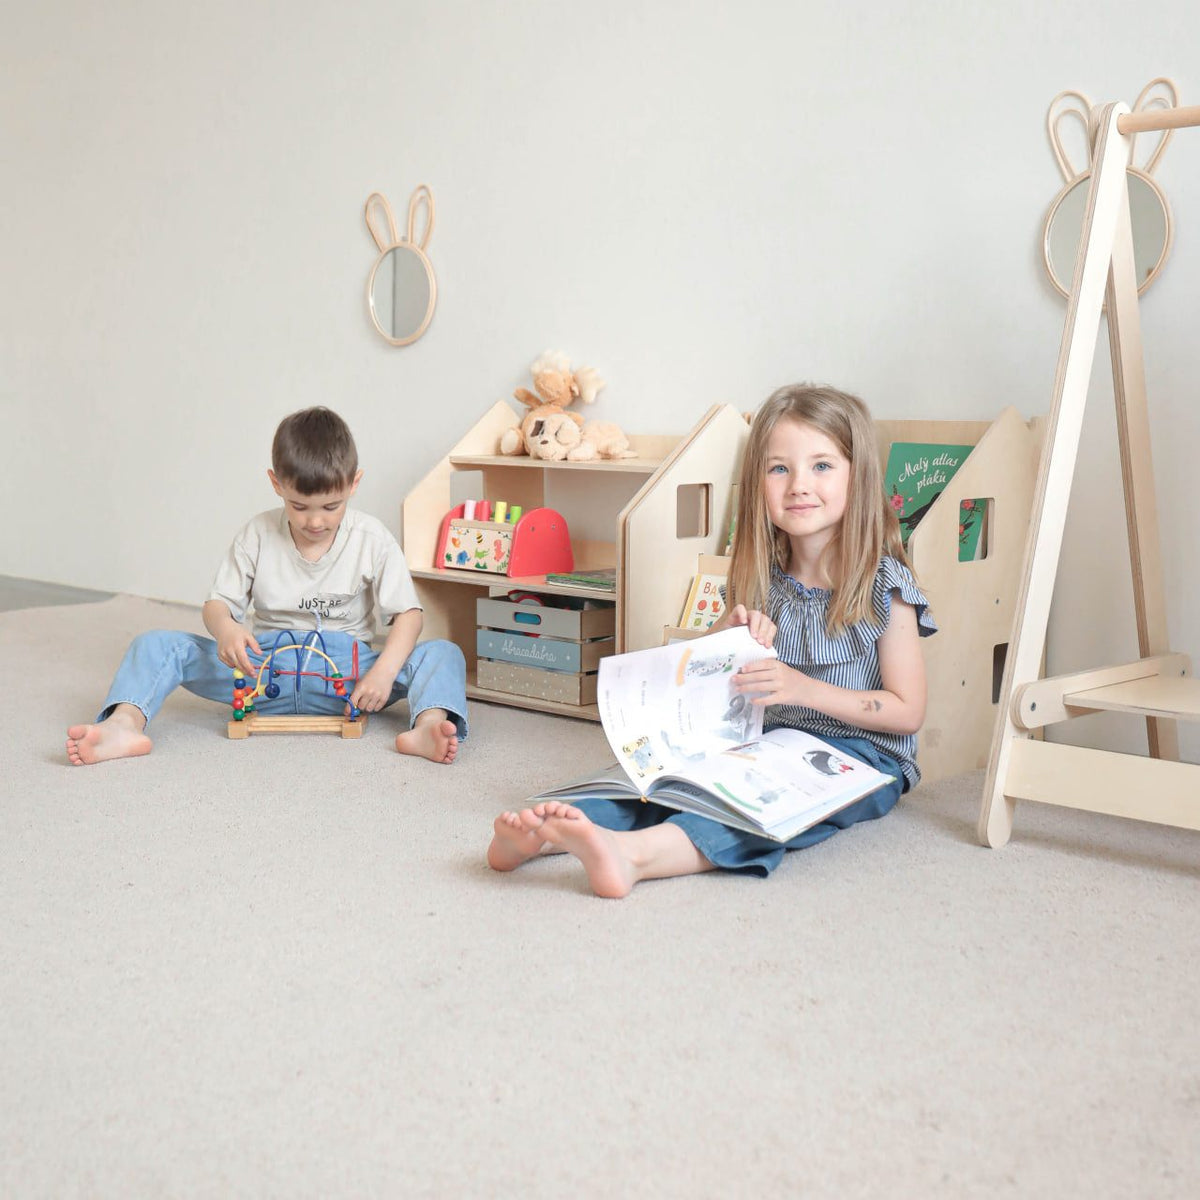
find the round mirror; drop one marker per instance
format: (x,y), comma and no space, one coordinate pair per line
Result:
(1148,215)
(401,293)
(401,290)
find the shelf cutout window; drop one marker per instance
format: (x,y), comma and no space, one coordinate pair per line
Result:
(975,519)
(466,485)
(693,510)
(999,654)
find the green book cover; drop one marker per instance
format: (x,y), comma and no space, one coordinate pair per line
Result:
(603,579)
(916,474)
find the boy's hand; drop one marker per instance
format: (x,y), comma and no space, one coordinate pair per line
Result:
(762,628)
(374,690)
(232,645)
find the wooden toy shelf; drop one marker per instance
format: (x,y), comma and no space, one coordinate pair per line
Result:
(655,552)
(638,466)
(973,602)
(654,555)
(529,583)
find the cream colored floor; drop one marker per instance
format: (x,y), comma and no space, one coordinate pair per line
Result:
(281,967)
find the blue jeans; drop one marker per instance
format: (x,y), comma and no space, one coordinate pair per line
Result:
(156,663)
(731,849)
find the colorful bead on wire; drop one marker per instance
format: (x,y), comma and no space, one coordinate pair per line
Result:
(244,694)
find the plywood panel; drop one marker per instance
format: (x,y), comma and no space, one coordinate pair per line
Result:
(656,565)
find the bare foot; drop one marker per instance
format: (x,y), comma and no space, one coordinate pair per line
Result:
(436,740)
(118,736)
(609,870)
(513,843)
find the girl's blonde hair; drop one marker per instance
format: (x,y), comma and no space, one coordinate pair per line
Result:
(868,530)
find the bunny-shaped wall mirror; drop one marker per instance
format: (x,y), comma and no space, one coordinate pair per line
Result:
(1148,211)
(401,290)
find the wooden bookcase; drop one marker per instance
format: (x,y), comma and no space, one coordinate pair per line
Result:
(678,507)
(664,507)
(974,602)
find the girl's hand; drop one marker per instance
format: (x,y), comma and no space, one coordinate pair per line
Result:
(373,691)
(762,628)
(770,681)
(231,648)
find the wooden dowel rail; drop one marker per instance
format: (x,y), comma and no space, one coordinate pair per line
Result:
(1159,118)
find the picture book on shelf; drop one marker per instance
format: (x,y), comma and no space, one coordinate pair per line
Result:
(685,739)
(706,597)
(916,475)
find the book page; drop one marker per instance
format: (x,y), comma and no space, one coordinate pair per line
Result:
(608,783)
(784,777)
(666,708)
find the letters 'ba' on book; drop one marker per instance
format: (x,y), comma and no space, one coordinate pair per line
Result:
(916,475)
(706,598)
(684,738)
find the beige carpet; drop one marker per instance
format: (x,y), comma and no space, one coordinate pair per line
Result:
(280,967)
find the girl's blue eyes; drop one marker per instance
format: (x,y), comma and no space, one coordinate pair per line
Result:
(821,466)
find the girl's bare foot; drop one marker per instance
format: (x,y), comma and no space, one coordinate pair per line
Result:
(609,870)
(120,735)
(513,843)
(434,737)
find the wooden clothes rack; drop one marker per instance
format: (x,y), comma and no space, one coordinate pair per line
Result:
(1159,685)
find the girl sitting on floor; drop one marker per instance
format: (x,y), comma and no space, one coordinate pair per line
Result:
(819,571)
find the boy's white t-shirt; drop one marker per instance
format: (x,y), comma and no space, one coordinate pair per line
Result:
(362,573)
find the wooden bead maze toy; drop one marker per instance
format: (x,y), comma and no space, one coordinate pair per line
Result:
(247,721)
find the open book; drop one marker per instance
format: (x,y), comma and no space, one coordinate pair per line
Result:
(685,739)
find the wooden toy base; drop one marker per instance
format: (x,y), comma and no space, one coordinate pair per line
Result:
(297,724)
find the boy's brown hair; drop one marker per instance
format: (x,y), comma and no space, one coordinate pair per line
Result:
(314,452)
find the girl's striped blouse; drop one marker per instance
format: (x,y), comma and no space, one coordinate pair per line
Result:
(849,660)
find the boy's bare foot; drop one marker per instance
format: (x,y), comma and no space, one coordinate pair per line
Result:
(434,737)
(609,870)
(118,736)
(513,843)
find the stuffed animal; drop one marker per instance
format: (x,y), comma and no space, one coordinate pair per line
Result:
(551,433)
(547,432)
(601,439)
(556,383)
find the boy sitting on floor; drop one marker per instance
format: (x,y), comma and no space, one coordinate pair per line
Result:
(314,564)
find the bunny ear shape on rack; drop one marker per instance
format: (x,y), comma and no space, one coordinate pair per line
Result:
(420,195)
(1069,103)
(1146,102)
(384,232)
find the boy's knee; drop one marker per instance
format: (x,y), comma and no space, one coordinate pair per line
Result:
(444,653)
(154,639)
(163,642)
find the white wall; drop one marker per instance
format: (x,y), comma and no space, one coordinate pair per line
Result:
(702,200)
